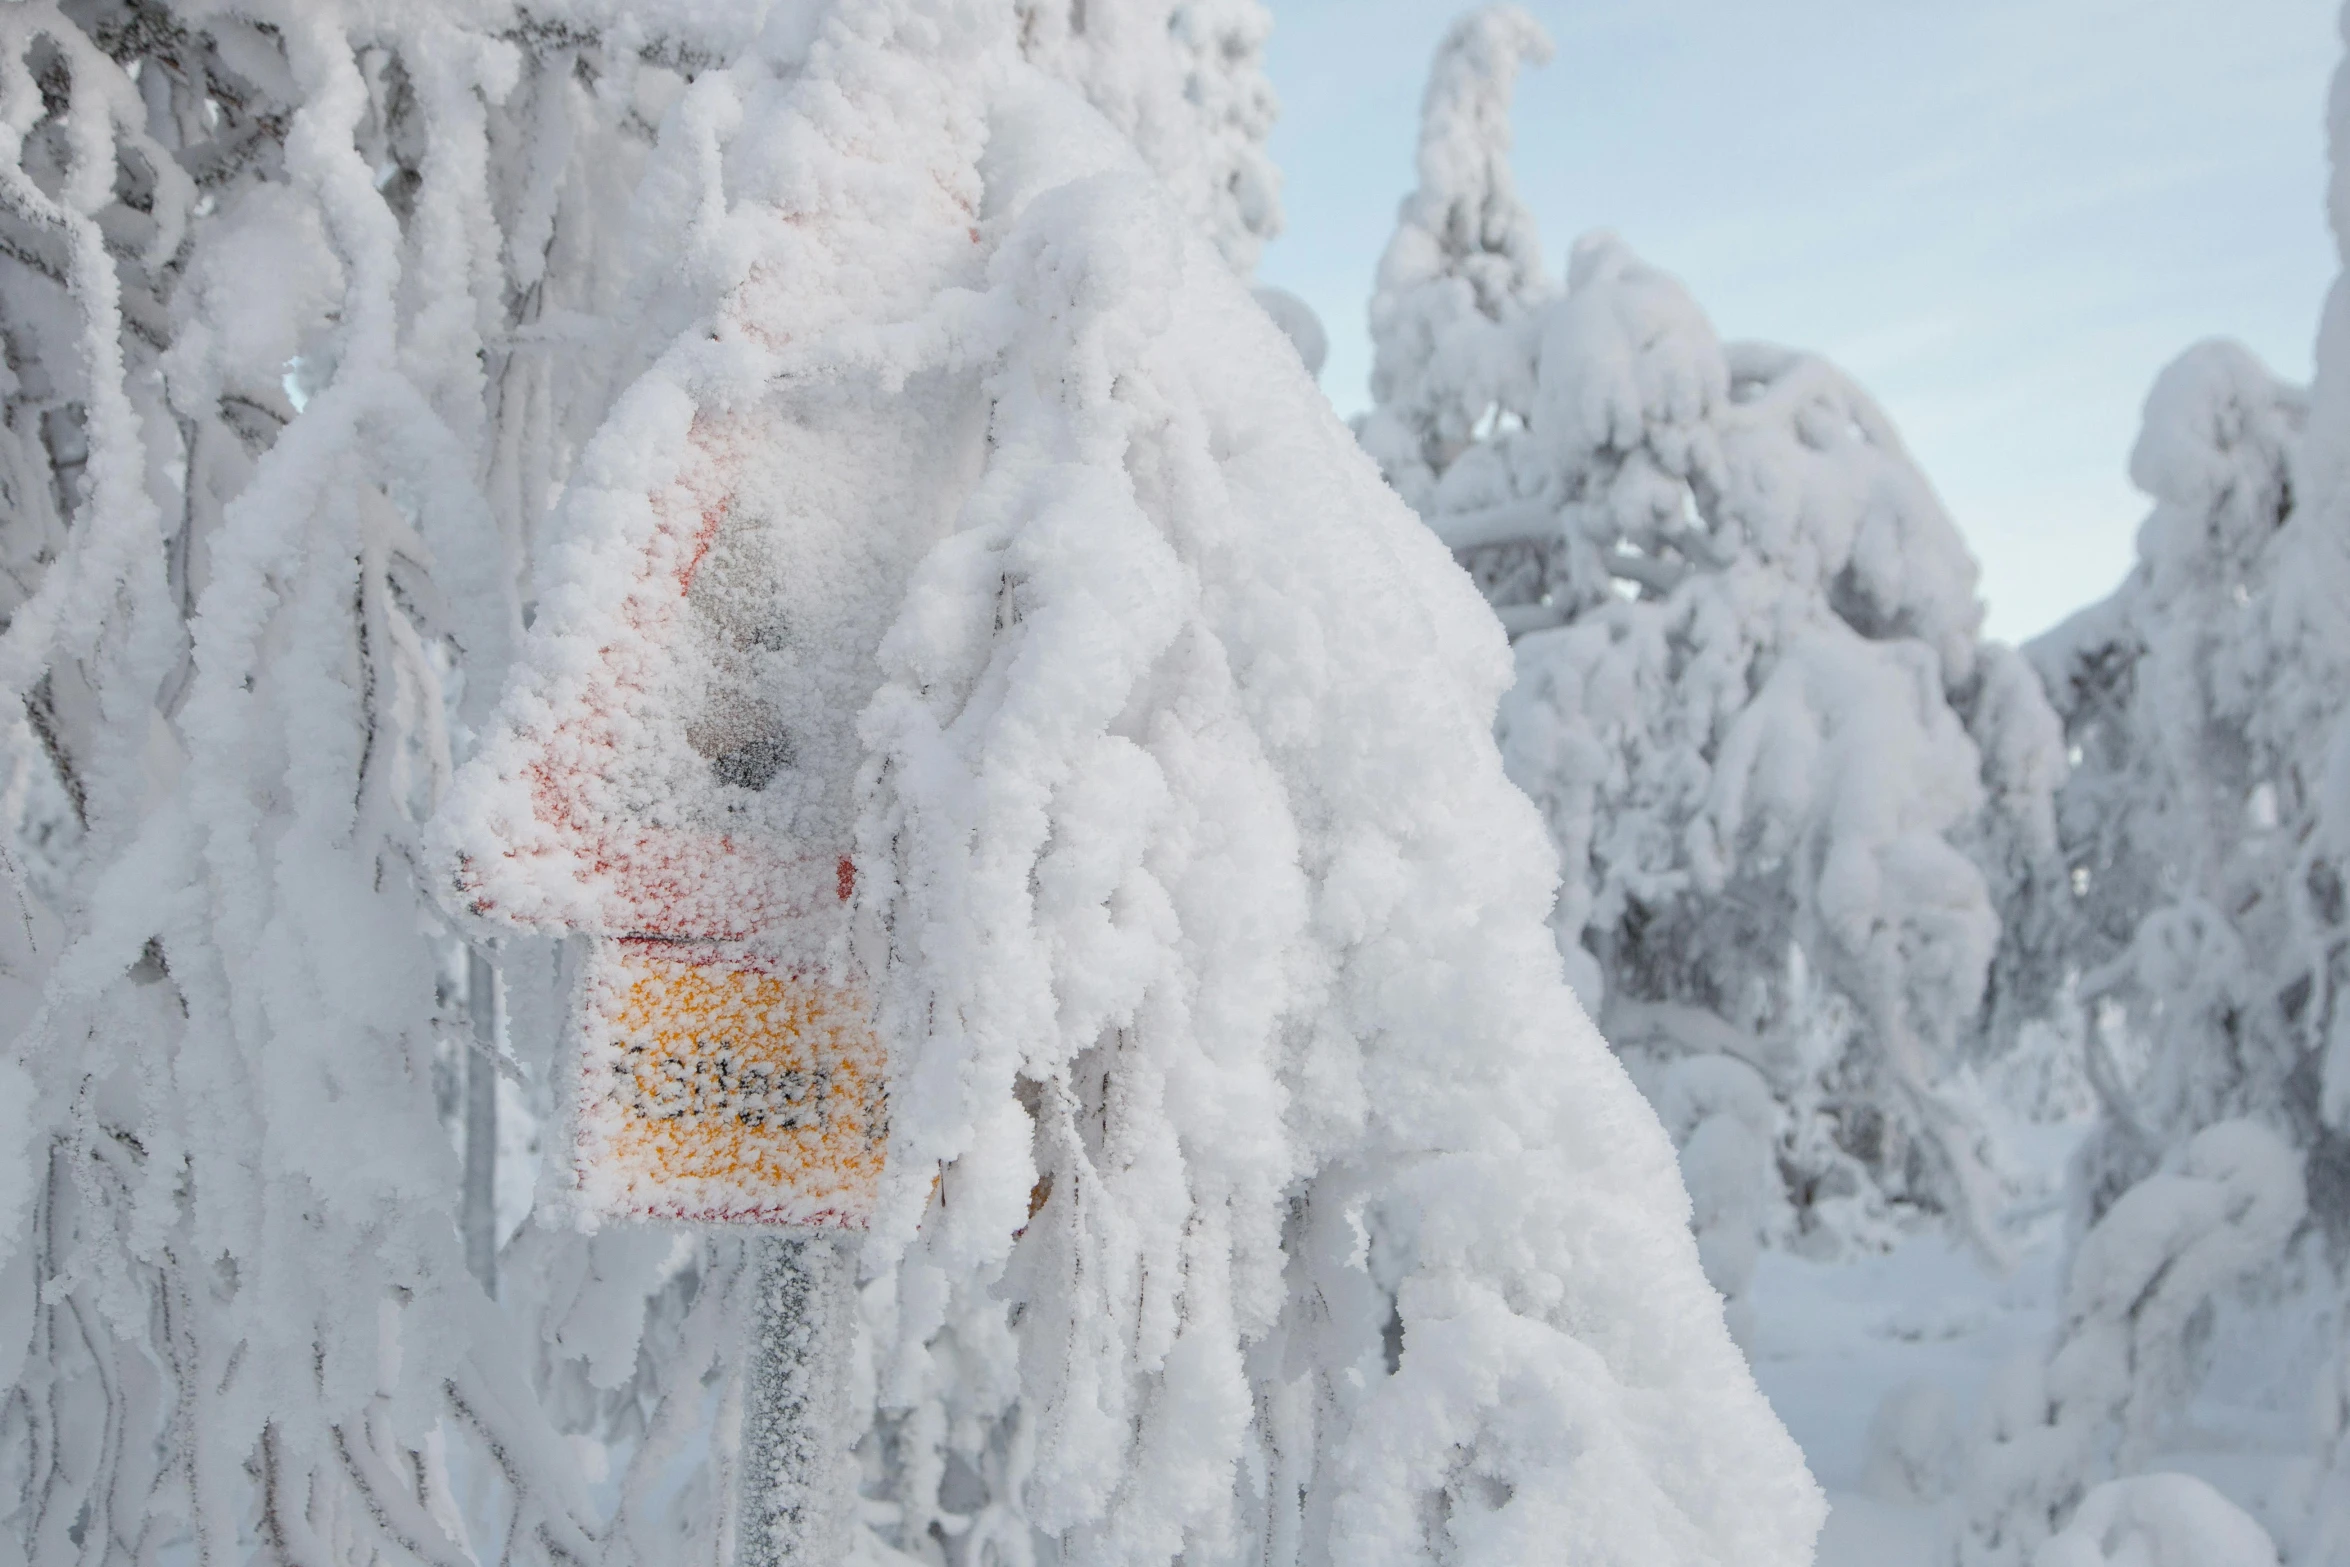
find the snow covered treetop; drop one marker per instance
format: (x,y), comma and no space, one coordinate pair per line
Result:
(1752,696)
(1661,438)
(1464,220)
(1465,260)
(2218,428)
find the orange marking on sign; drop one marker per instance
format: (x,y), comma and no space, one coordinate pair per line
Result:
(718,1089)
(715,1081)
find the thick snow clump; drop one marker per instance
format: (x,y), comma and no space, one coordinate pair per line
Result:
(2158,1520)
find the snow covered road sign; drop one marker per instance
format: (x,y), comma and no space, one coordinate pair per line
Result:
(714,1087)
(678,789)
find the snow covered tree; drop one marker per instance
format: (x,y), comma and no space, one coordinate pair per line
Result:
(2203,886)
(1253,1189)
(2175,819)
(1464,268)
(2202,830)
(1799,800)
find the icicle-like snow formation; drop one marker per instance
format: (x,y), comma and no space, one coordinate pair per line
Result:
(238,1320)
(1255,1189)
(1799,801)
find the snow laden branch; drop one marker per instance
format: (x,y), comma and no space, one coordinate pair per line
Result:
(1804,809)
(274,382)
(1229,1046)
(225,1141)
(1255,1188)
(2160,1520)
(1184,80)
(2119,1367)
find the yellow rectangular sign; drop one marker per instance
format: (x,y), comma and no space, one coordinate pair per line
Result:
(716,1088)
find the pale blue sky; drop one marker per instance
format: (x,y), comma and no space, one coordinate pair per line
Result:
(2004,216)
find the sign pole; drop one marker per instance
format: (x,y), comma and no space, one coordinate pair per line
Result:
(796,1481)
(478,1211)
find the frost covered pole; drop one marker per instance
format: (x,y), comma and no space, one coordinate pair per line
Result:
(479,1216)
(795,1406)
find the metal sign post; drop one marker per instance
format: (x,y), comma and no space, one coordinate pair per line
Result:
(479,1207)
(795,1477)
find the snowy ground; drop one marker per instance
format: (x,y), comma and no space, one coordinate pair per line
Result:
(1832,1339)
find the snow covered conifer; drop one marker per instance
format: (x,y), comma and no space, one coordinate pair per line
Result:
(2202,827)
(1464,268)
(1229,1047)
(1794,790)
(2177,819)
